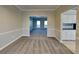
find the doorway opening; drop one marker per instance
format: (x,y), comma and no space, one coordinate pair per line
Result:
(38,25)
(68,29)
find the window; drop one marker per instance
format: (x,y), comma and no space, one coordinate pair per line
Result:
(45,24)
(38,24)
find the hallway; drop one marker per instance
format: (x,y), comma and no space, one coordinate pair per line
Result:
(38,25)
(36,45)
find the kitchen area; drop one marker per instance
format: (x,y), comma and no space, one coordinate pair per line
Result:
(68,29)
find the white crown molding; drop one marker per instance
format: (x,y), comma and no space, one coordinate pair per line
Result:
(39,10)
(36,9)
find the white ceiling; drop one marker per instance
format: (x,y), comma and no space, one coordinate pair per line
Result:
(37,7)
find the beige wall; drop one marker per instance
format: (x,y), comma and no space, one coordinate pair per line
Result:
(51,23)
(77,32)
(10,18)
(10,25)
(57,24)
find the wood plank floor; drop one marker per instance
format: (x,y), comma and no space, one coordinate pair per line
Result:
(36,45)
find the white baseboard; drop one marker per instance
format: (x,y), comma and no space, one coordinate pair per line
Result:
(25,35)
(61,41)
(10,43)
(69,48)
